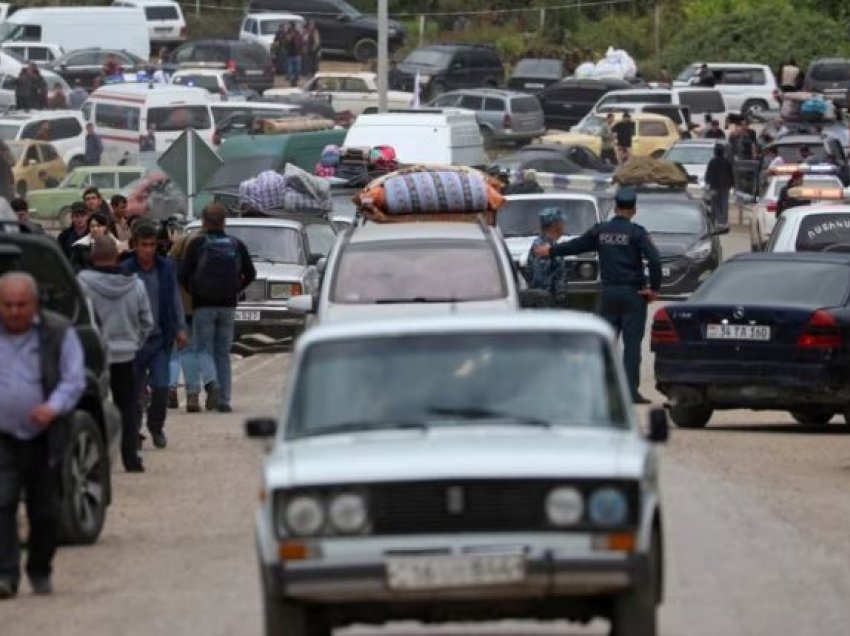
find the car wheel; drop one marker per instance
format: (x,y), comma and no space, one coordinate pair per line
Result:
(752,106)
(635,611)
(365,50)
(85,481)
(690,415)
(21,189)
(76,162)
(813,416)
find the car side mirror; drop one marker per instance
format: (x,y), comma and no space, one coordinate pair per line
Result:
(659,427)
(302,303)
(719,230)
(260,427)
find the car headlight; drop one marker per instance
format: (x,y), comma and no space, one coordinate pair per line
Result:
(564,506)
(424,78)
(700,251)
(304,516)
(608,507)
(282,291)
(586,271)
(347,513)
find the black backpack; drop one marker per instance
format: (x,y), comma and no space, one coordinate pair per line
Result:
(218,275)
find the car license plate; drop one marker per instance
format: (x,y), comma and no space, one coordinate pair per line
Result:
(665,272)
(247,315)
(534,85)
(431,573)
(162,29)
(738,332)
(253,72)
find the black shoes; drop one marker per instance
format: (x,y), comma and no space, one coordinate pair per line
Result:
(135,467)
(224,408)
(159,439)
(41,585)
(173,400)
(7,589)
(213,396)
(639,399)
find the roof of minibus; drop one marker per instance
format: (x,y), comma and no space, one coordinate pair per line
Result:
(156,93)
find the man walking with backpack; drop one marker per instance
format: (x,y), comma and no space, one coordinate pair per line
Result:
(214,270)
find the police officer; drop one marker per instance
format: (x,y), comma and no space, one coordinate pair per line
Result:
(622,246)
(548,273)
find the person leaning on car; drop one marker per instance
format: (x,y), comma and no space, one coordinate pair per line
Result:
(622,247)
(41,380)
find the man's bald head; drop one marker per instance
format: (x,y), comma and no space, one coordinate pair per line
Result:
(18,301)
(104,251)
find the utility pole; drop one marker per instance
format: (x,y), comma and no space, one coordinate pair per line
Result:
(657,21)
(383,54)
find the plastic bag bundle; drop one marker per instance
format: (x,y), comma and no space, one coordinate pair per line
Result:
(616,63)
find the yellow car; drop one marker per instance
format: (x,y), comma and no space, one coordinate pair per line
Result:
(37,165)
(653,134)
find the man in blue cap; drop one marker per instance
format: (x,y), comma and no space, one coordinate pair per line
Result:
(622,247)
(548,273)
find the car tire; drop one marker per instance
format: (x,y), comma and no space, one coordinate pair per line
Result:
(85,482)
(365,49)
(635,611)
(21,189)
(690,415)
(813,416)
(753,106)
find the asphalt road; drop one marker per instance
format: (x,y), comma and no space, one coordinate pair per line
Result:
(756,513)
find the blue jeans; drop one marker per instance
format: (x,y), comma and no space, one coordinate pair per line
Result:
(151,367)
(293,69)
(625,310)
(212,335)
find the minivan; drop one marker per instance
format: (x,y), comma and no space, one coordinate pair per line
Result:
(166,24)
(447,137)
(747,88)
(565,103)
(343,28)
(830,77)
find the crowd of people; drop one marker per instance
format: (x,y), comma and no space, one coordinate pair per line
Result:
(296,53)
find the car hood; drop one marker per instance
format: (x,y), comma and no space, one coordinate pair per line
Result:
(673,245)
(444,453)
(279,271)
(519,246)
(346,313)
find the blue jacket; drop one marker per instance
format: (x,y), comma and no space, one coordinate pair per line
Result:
(622,246)
(548,273)
(170,309)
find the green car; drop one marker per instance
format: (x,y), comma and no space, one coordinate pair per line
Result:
(54,204)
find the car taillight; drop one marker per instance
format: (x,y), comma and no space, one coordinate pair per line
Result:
(821,332)
(506,121)
(771,206)
(663,330)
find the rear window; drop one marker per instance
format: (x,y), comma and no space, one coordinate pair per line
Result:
(538,68)
(702,101)
(208,82)
(250,56)
(833,72)
(776,282)
(174,118)
(164,12)
(525,105)
(824,233)
(418,271)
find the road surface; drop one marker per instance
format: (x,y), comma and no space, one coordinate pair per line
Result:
(757,514)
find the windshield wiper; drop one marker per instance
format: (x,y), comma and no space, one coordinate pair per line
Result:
(355,426)
(479,413)
(414,299)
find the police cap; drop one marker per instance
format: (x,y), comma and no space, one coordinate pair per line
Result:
(549,216)
(626,197)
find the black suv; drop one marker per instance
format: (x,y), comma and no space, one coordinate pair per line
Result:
(566,102)
(87,64)
(445,67)
(342,28)
(252,62)
(831,77)
(94,427)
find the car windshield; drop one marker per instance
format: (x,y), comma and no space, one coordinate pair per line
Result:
(836,72)
(418,271)
(813,181)
(776,282)
(269,243)
(208,82)
(591,125)
(8,132)
(520,217)
(539,68)
(699,155)
(271,26)
(464,379)
(827,232)
(428,57)
(669,218)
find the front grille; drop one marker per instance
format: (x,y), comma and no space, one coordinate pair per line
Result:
(487,506)
(255,292)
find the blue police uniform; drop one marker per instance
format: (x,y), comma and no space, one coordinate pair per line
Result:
(622,247)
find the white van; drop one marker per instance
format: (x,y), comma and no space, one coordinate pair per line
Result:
(442,137)
(699,101)
(75,28)
(262,27)
(166,24)
(122,113)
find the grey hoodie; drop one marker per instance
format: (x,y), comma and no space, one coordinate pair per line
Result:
(122,306)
